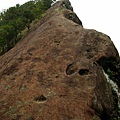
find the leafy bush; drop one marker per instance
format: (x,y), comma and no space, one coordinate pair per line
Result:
(15,19)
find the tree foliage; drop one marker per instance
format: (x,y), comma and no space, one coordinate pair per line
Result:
(15,19)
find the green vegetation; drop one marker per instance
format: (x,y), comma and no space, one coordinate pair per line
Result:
(16,19)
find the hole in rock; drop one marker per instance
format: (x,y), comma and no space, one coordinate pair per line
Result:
(56,76)
(71,69)
(88,50)
(83,72)
(41,98)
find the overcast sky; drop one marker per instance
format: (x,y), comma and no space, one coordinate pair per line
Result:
(101,15)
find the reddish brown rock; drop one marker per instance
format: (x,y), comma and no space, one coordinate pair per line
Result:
(55,73)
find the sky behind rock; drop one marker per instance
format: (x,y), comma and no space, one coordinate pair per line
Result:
(101,15)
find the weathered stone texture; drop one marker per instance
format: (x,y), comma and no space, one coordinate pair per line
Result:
(53,73)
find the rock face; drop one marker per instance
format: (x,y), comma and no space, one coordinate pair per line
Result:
(56,72)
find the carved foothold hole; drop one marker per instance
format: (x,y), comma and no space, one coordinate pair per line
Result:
(83,72)
(57,76)
(88,50)
(70,69)
(41,98)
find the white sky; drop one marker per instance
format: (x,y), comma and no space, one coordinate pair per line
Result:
(101,15)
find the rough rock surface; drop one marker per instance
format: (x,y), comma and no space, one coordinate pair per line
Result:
(55,71)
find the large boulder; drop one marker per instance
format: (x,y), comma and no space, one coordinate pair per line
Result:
(56,72)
